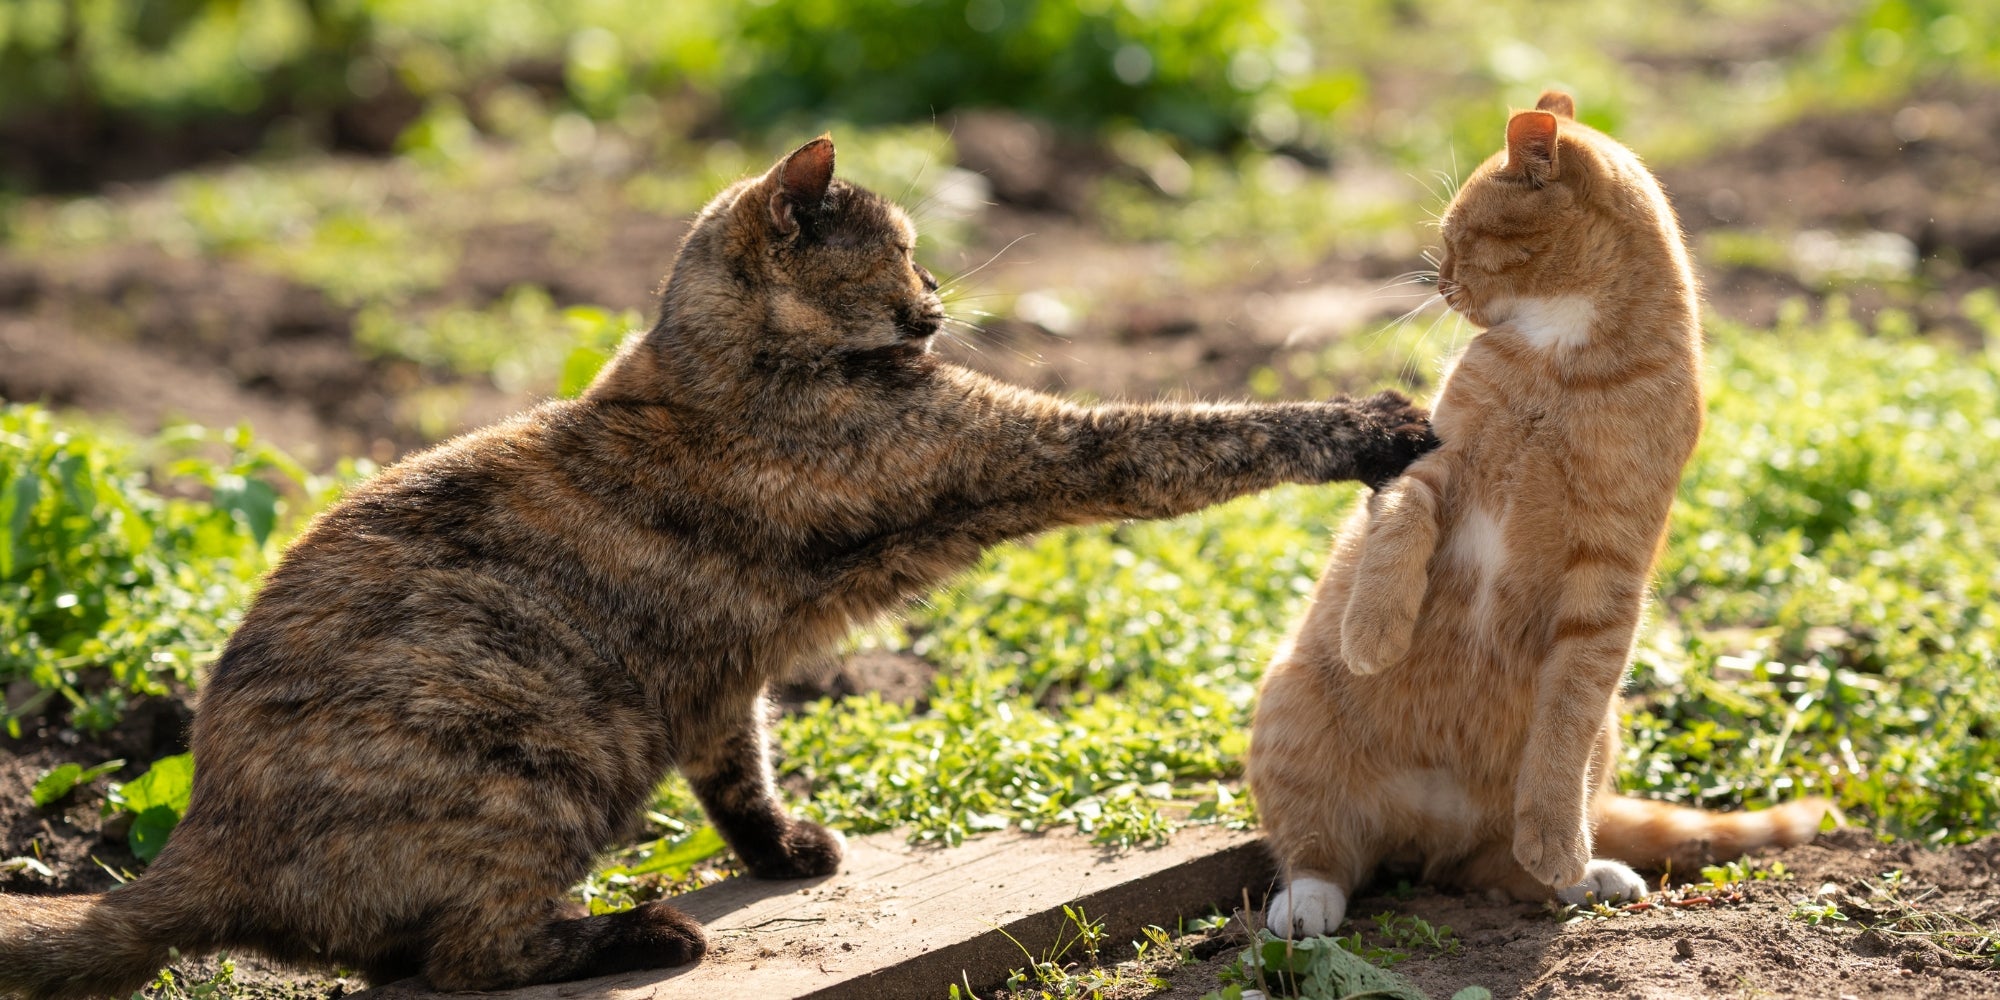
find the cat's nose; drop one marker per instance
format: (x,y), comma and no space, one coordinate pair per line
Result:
(924,275)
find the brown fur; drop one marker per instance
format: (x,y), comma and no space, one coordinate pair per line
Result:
(465,679)
(1450,697)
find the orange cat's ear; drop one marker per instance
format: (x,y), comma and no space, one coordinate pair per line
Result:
(802,180)
(1531,145)
(1558,103)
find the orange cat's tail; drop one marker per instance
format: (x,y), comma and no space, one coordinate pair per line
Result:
(1654,835)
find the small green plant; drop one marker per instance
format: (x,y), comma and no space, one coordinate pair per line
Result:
(1410,932)
(1052,976)
(1317,968)
(1816,913)
(62,779)
(218,985)
(155,801)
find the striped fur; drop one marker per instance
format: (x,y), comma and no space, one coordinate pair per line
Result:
(465,679)
(1450,697)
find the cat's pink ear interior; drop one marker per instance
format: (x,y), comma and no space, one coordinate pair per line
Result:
(1557,103)
(802,182)
(1531,145)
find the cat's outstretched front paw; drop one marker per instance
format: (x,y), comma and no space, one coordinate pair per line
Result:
(1374,635)
(805,850)
(1605,882)
(1306,907)
(1555,849)
(1402,435)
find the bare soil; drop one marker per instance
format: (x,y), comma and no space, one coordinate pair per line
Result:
(1741,945)
(146,337)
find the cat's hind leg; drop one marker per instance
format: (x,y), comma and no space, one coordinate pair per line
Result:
(732,778)
(548,943)
(1316,811)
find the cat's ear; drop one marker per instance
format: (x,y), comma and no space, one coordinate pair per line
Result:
(800,181)
(1558,103)
(1531,145)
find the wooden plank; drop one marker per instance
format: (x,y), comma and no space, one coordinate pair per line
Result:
(909,922)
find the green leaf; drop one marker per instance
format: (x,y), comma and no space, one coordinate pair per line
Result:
(252,499)
(151,830)
(17,506)
(55,784)
(1473,993)
(676,861)
(167,784)
(61,780)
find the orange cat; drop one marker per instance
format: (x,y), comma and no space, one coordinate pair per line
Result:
(1451,696)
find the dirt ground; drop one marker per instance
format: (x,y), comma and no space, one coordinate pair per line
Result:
(1886,941)
(144,336)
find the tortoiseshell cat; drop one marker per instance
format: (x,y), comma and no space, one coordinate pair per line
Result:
(465,679)
(1451,696)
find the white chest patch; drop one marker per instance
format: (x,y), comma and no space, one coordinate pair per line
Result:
(1554,323)
(1478,542)
(1480,547)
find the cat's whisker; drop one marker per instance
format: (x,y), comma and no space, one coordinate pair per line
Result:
(1410,369)
(1406,278)
(954,299)
(1032,358)
(1429,189)
(958,279)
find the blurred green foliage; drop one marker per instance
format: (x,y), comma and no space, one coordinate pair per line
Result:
(1194,68)
(1419,79)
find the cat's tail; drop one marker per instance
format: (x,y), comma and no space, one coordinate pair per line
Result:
(104,945)
(1648,834)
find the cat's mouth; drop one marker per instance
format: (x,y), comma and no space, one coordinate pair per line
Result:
(918,325)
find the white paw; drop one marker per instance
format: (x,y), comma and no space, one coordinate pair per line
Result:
(1605,882)
(1307,907)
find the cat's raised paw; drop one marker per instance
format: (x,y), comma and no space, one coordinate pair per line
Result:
(1605,882)
(1556,851)
(1370,640)
(1307,907)
(1407,436)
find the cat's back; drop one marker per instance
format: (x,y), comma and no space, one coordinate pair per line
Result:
(494,519)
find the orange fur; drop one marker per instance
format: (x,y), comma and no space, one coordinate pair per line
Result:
(1450,697)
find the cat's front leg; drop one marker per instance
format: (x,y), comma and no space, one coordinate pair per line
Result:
(1389,584)
(732,778)
(1164,461)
